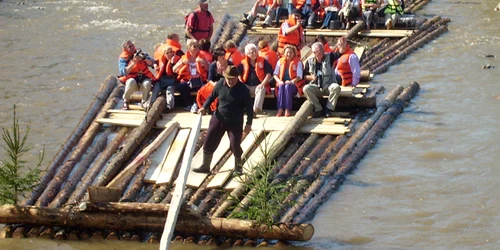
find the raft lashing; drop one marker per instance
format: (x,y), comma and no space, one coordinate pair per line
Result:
(114,176)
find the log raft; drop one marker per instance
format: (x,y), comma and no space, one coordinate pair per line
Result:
(320,158)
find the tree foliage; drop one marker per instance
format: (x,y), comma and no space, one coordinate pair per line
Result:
(16,179)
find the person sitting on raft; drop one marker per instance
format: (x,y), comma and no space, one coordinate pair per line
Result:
(288,75)
(166,77)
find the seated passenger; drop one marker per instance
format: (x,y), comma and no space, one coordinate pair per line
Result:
(369,8)
(232,53)
(331,9)
(321,80)
(393,11)
(172,41)
(270,55)
(133,67)
(215,73)
(288,76)
(255,74)
(326,45)
(291,32)
(308,9)
(348,69)
(260,7)
(205,50)
(192,74)
(166,77)
(349,12)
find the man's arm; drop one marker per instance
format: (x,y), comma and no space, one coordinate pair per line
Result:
(122,66)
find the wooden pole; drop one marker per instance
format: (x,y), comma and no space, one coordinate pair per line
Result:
(103,94)
(180,185)
(133,142)
(62,174)
(353,32)
(299,119)
(70,185)
(55,217)
(134,208)
(94,170)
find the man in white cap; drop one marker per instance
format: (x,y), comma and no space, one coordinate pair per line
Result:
(199,23)
(234,101)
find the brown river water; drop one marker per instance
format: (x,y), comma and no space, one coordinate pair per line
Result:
(430,182)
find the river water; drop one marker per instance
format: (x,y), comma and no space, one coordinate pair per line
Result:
(430,182)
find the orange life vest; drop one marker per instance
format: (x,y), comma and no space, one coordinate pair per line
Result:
(259,70)
(300,3)
(234,55)
(293,38)
(174,44)
(184,73)
(270,55)
(140,67)
(344,68)
(166,66)
(292,70)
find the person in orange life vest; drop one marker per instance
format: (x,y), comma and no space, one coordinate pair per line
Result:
(260,7)
(166,77)
(351,9)
(265,51)
(320,75)
(173,41)
(215,71)
(291,32)
(326,45)
(288,75)
(256,72)
(134,73)
(232,53)
(309,10)
(192,74)
(201,25)
(331,9)
(369,8)
(347,69)
(205,50)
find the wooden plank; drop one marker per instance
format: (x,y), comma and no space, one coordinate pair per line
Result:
(227,169)
(173,157)
(359,51)
(138,160)
(258,154)
(104,194)
(328,33)
(159,157)
(196,179)
(178,195)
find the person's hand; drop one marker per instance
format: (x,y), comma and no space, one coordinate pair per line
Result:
(185,61)
(280,82)
(202,111)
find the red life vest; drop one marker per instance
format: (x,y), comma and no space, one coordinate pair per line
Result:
(166,66)
(235,56)
(292,70)
(184,73)
(293,38)
(270,55)
(140,67)
(344,68)
(174,44)
(259,70)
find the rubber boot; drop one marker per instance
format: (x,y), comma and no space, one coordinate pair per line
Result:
(238,169)
(205,167)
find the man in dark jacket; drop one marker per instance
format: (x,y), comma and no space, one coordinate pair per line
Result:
(234,101)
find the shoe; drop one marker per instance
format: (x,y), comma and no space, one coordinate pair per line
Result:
(145,105)
(187,108)
(309,27)
(318,114)
(389,24)
(125,106)
(245,15)
(265,25)
(194,108)
(205,166)
(245,21)
(329,113)
(257,111)
(287,113)
(323,28)
(280,113)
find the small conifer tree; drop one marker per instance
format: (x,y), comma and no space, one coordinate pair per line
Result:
(16,179)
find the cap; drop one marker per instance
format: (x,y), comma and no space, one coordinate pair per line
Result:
(202,1)
(231,72)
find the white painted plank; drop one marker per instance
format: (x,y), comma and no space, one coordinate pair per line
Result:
(173,157)
(159,158)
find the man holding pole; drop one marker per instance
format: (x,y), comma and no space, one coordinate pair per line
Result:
(234,100)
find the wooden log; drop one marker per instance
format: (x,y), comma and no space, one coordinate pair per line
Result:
(104,92)
(134,208)
(278,146)
(94,170)
(353,32)
(220,27)
(136,185)
(74,234)
(130,222)
(178,195)
(47,233)
(34,232)
(133,142)
(139,159)
(19,233)
(54,185)
(317,183)
(97,235)
(90,157)
(350,163)
(6,232)
(113,235)
(60,235)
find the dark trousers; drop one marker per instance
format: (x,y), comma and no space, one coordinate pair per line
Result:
(216,130)
(165,84)
(330,16)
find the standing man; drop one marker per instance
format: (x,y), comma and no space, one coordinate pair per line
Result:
(320,75)
(133,68)
(234,100)
(200,22)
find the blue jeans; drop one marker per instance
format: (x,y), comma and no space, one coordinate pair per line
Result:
(330,16)
(165,83)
